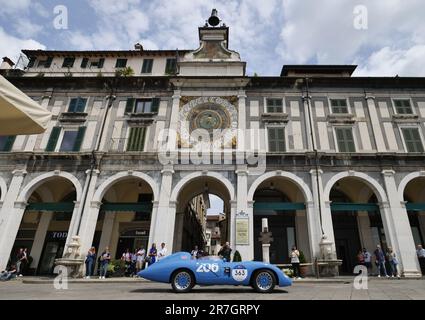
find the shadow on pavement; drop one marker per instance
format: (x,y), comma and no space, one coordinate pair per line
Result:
(205,290)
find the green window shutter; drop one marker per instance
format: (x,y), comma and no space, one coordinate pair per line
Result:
(276,137)
(121,63)
(53,140)
(73,105)
(101,63)
(81,104)
(155,105)
(79,139)
(413,140)
(136,139)
(170,66)
(31,62)
(345,140)
(129,107)
(48,62)
(84,63)
(8,144)
(68,62)
(147,66)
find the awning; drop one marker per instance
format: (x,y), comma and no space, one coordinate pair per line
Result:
(19,114)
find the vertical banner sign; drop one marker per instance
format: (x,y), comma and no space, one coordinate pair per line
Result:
(242,228)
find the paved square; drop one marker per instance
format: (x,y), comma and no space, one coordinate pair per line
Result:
(379,289)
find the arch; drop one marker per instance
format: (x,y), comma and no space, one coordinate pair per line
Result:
(3,189)
(371,182)
(101,190)
(405,181)
(180,185)
(288,175)
(36,182)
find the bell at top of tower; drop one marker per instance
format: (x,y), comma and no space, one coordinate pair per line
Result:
(213,57)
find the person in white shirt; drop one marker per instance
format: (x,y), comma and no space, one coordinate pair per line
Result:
(420,252)
(162,252)
(140,259)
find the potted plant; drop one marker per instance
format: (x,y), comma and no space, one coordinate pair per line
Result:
(303,266)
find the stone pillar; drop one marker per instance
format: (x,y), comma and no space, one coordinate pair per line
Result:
(8,239)
(178,231)
(175,109)
(242,206)
(242,110)
(153,222)
(10,217)
(89,216)
(40,235)
(376,124)
(166,213)
(107,228)
(313,215)
(73,223)
(365,232)
(302,235)
(249,250)
(397,227)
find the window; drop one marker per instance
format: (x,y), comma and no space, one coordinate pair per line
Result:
(68,62)
(31,62)
(136,140)
(71,139)
(147,66)
(170,67)
(412,139)
(45,63)
(345,139)
(142,105)
(339,106)
(274,105)
(121,63)
(92,63)
(402,106)
(6,143)
(276,137)
(77,104)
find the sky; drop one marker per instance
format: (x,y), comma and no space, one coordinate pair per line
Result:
(383,37)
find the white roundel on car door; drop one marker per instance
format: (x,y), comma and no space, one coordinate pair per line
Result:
(239,273)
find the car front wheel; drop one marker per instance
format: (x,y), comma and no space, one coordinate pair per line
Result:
(182,281)
(264,281)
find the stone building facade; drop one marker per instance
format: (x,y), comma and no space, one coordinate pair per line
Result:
(317,151)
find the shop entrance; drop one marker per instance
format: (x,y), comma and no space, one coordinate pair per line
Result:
(133,240)
(54,245)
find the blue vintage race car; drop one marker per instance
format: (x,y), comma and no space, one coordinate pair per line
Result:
(183,272)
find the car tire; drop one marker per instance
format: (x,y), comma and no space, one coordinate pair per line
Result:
(182,281)
(264,281)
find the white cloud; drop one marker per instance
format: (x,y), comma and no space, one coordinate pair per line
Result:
(26,28)
(391,62)
(11,46)
(14,6)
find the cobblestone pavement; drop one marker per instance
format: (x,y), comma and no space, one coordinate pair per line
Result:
(378,289)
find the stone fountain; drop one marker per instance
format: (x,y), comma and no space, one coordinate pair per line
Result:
(72,259)
(327,263)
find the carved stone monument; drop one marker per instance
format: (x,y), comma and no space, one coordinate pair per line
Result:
(72,259)
(265,238)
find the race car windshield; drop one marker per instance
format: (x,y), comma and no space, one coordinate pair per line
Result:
(214,258)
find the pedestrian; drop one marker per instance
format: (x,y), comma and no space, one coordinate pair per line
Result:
(194,253)
(152,254)
(126,257)
(140,259)
(133,263)
(19,259)
(392,259)
(360,258)
(105,258)
(90,261)
(162,252)
(24,262)
(9,274)
(295,261)
(225,251)
(420,252)
(367,260)
(380,261)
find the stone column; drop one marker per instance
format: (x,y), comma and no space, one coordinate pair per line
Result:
(242,206)
(242,110)
(72,225)
(107,227)
(397,227)
(302,235)
(365,232)
(11,232)
(9,216)
(153,222)
(166,213)
(313,215)
(249,250)
(89,216)
(175,109)
(376,125)
(40,235)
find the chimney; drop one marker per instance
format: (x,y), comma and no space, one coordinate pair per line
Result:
(138,46)
(6,64)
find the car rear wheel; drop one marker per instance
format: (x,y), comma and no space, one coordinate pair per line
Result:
(182,281)
(264,281)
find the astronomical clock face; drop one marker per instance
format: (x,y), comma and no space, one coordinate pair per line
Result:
(215,115)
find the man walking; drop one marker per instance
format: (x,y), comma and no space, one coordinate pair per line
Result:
(380,261)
